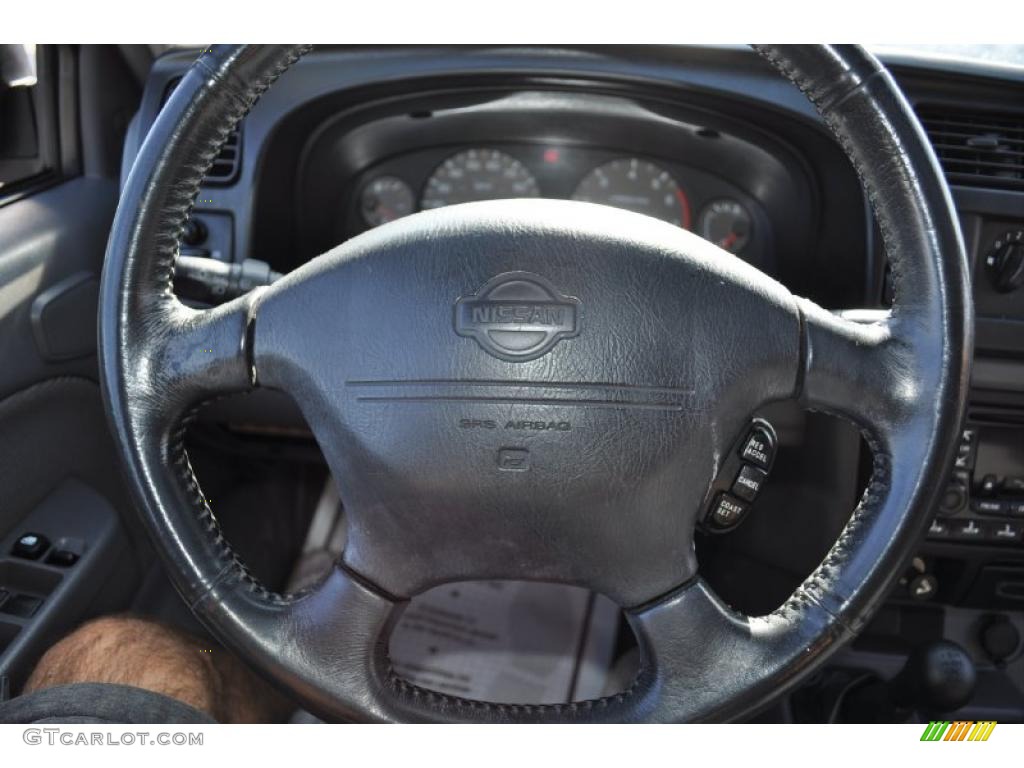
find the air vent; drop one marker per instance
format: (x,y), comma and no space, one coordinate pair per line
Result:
(977,149)
(225,166)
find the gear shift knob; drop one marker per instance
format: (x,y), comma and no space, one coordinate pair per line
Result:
(938,677)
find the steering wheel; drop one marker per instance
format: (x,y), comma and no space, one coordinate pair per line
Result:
(537,390)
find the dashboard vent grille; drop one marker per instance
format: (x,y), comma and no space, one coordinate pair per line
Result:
(225,166)
(978,149)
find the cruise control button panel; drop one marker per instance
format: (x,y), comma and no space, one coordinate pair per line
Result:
(741,478)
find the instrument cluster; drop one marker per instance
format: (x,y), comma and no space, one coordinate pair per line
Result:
(680,195)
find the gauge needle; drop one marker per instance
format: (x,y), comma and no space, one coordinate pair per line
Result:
(728,241)
(684,205)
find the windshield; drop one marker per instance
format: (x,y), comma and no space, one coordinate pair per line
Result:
(1005,54)
(1012,55)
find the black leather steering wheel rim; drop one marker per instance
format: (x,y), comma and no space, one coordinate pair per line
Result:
(902,379)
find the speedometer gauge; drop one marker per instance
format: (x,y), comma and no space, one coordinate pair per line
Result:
(636,185)
(478,174)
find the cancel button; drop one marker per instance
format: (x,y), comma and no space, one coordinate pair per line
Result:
(748,482)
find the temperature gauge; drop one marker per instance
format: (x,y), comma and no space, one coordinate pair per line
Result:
(726,223)
(385,199)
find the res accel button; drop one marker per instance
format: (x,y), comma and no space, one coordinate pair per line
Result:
(758,448)
(748,482)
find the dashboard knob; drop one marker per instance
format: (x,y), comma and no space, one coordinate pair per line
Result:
(194,232)
(923,586)
(1005,262)
(953,500)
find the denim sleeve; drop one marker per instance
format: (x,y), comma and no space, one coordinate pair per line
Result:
(99,703)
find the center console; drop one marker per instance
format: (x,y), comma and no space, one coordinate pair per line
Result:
(974,551)
(975,544)
(966,584)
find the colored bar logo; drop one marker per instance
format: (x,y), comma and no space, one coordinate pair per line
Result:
(959,730)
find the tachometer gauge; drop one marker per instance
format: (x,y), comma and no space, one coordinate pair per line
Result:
(478,174)
(726,223)
(385,199)
(636,185)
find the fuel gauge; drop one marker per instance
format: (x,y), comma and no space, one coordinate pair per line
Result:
(726,223)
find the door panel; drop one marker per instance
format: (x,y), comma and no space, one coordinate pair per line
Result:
(44,240)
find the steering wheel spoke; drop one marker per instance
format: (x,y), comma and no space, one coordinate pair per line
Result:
(704,653)
(197,354)
(852,366)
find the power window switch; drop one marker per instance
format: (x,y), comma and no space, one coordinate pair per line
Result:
(22,606)
(30,546)
(66,552)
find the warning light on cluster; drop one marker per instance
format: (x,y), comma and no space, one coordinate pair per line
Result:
(552,155)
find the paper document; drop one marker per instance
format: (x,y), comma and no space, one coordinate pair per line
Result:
(510,642)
